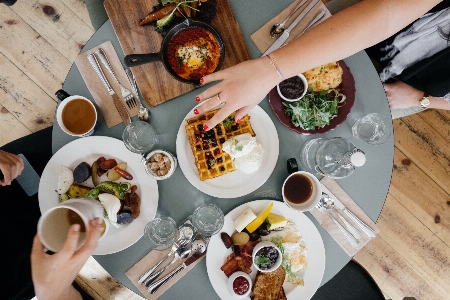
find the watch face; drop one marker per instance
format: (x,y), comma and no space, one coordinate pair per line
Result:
(425,102)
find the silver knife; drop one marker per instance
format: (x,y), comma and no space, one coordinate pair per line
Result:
(364,227)
(280,41)
(117,102)
(157,284)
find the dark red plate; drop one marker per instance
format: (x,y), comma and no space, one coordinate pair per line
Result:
(347,87)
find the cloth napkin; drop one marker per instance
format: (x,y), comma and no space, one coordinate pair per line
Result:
(261,37)
(332,229)
(150,260)
(98,90)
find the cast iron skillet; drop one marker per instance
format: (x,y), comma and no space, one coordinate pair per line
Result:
(133,60)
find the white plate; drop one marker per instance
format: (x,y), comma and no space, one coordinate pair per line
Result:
(89,149)
(217,253)
(233,184)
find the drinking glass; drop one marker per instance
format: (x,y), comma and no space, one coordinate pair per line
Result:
(372,129)
(208,219)
(161,233)
(139,137)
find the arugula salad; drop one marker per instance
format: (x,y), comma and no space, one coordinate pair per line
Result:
(315,109)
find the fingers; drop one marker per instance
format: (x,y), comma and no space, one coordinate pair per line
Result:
(11,166)
(240,113)
(94,233)
(71,243)
(210,93)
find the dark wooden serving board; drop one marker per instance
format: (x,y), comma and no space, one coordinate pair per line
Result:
(155,83)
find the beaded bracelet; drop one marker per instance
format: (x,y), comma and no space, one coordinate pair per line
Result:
(273,63)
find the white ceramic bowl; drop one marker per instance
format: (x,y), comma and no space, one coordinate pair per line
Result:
(173,163)
(261,245)
(231,280)
(305,85)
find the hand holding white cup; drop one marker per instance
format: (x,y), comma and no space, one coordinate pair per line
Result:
(54,224)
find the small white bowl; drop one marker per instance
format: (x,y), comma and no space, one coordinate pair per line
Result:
(305,88)
(231,280)
(173,164)
(261,245)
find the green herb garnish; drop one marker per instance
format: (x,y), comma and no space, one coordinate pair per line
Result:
(262,260)
(315,109)
(239,148)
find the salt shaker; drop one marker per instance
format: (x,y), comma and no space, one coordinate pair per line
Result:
(333,157)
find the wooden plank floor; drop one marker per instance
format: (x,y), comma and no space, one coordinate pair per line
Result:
(409,258)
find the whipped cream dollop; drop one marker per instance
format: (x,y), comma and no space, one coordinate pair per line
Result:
(245,151)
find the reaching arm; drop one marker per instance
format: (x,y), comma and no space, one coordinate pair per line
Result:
(360,26)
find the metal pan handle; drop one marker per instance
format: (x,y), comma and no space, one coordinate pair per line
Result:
(133,60)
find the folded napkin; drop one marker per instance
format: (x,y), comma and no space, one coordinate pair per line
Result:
(150,260)
(261,37)
(332,229)
(98,91)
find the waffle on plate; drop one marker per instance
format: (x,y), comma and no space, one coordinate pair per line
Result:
(211,161)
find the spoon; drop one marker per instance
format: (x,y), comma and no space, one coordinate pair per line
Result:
(181,253)
(328,203)
(185,234)
(144,113)
(198,247)
(278,29)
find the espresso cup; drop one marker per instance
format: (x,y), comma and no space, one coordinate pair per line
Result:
(301,190)
(77,116)
(54,224)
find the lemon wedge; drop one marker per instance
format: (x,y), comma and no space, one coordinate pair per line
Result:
(262,215)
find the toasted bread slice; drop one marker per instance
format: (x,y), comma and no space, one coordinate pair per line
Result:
(269,286)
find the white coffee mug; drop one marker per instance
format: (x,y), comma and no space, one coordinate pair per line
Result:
(54,224)
(80,119)
(301,191)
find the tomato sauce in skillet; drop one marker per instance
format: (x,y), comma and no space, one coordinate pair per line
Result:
(193,53)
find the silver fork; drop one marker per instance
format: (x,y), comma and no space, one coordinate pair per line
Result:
(126,94)
(350,238)
(144,113)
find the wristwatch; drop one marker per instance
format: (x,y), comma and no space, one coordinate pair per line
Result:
(425,101)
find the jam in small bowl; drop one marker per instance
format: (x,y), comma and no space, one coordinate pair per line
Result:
(239,284)
(266,256)
(293,89)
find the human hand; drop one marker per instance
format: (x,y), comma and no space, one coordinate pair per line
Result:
(53,274)
(11,166)
(241,88)
(402,95)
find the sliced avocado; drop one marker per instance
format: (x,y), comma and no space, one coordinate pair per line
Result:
(108,186)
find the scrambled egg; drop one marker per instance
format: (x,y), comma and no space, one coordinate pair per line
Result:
(290,242)
(324,77)
(193,56)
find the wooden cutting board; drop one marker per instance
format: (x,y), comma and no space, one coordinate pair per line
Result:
(155,83)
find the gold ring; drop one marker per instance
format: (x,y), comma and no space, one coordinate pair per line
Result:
(218,98)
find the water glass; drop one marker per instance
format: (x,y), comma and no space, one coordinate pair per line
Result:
(161,233)
(372,129)
(208,219)
(139,137)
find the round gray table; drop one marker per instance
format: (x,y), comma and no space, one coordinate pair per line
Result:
(368,186)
